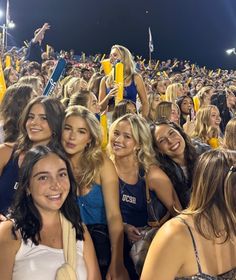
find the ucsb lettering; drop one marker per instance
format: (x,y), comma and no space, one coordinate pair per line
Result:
(129,199)
(51,86)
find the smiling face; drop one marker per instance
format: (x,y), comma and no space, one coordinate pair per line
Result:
(37,126)
(186,105)
(13,76)
(49,183)
(215,118)
(122,141)
(170,142)
(76,135)
(174,115)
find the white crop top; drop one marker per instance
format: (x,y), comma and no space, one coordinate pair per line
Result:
(41,262)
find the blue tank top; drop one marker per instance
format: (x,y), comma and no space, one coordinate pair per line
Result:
(8,183)
(92,208)
(133,203)
(230,275)
(130,93)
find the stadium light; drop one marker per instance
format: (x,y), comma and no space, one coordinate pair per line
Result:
(8,24)
(231,51)
(11,24)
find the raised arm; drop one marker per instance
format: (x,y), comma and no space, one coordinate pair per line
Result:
(103,96)
(160,183)
(39,35)
(142,94)
(110,188)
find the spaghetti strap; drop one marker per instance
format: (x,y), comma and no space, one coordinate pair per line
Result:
(194,245)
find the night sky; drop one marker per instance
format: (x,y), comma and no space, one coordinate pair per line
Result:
(198,30)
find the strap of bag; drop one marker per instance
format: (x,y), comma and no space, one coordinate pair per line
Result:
(68,270)
(148,198)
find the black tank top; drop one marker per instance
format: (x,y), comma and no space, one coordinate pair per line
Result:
(8,183)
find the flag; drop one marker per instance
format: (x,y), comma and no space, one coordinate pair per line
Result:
(7,14)
(56,74)
(151,47)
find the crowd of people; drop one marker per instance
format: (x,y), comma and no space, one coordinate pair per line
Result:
(76,192)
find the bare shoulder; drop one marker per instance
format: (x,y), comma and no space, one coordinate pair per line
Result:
(6,231)
(5,151)
(174,231)
(155,175)
(108,173)
(155,171)
(107,162)
(9,245)
(137,78)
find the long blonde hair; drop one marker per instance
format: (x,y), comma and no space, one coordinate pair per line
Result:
(92,157)
(142,137)
(202,124)
(171,92)
(129,65)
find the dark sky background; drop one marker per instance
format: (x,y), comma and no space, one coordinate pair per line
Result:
(198,30)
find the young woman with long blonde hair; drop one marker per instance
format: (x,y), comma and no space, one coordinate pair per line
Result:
(133,82)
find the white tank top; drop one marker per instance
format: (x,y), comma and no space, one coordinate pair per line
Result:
(41,262)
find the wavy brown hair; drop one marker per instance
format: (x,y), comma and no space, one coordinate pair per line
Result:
(213,199)
(54,111)
(92,156)
(229,140)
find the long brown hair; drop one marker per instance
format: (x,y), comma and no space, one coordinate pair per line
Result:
(92,157)
(213,199)
(229,141)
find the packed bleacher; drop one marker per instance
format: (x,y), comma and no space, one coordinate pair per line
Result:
(113,166)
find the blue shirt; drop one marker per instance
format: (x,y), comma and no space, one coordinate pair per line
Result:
(92,208)
(130,93)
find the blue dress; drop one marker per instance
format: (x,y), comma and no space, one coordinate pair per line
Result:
(93,214)
(130,93)
(92,208)
(133,203)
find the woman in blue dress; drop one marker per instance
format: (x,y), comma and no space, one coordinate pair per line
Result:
(98,191)
(134,87)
